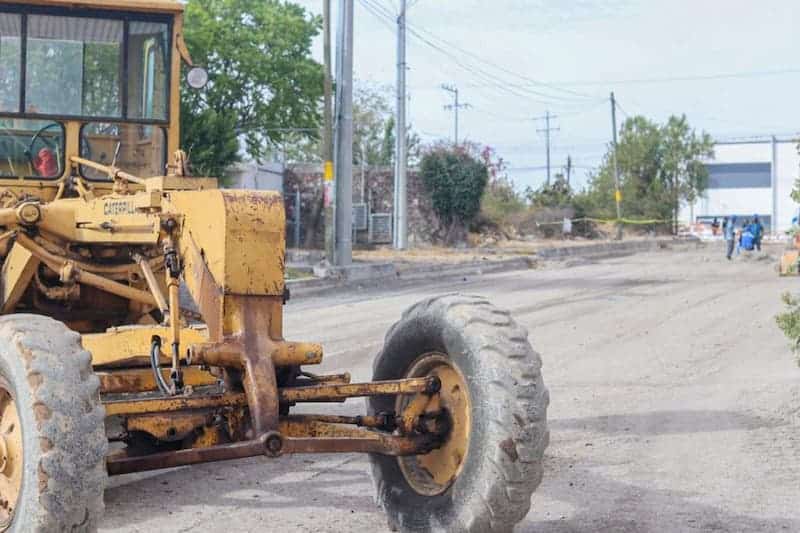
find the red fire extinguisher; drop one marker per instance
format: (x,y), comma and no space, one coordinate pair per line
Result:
(45,163)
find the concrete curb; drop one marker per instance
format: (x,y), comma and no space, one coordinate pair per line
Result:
(375,274)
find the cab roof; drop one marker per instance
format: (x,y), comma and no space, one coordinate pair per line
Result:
(143,6)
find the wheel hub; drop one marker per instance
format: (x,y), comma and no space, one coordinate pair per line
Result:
(433,473)
(10,456)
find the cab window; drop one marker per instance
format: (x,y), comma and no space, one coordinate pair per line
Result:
(147,69)
(31,148)
(10,61)
(73,66)
(140,149)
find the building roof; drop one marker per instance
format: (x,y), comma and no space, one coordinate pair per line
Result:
(146,6)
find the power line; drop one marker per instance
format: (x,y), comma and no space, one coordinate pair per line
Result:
(671,79)
(620,108)
(490,79)
(493,64)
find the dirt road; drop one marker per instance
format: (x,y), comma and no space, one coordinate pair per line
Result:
(675,407)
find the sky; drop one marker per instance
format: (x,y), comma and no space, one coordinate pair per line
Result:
(730,65)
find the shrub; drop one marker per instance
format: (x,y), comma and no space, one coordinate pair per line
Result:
(455,181)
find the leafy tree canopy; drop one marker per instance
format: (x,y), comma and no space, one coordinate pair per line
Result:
(374,131)
(263,79)
(660,166)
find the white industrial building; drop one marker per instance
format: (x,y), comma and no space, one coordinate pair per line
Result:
(748,178)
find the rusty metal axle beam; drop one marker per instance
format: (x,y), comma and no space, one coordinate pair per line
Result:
(273,444)
(312,393)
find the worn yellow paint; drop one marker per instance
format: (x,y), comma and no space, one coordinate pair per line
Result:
(241,235)
(177,183)
(434,472)
(109,219)
(18,270)
(124,344)
(173,427)
(173,403)
(132,380)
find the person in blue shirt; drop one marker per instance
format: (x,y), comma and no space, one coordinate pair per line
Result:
(730,235)
(757,229)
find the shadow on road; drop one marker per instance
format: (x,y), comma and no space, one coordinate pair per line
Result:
(603,504)
(665,422)
(254,484)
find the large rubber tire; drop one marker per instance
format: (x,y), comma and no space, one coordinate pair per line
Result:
(509,403)
(62,419)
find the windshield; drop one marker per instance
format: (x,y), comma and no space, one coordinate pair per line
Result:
(73,66)
(10,32)
(113,68)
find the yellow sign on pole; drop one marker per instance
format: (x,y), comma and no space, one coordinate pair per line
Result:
(328,172)
(618,195)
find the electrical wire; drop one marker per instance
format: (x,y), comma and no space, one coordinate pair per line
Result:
(673,79)
(488,78)
(388,15)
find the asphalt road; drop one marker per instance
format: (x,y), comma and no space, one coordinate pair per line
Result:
(675,407)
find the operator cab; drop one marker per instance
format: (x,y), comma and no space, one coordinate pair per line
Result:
(96,83)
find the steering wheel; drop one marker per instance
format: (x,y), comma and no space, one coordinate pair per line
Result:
(37,136)
(86,148)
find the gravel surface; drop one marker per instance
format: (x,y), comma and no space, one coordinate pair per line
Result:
(675,407)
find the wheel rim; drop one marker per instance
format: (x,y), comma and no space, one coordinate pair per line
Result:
(433,473)
(10,455)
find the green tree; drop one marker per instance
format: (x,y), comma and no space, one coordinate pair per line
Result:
(500,198)
(263,79)
(210,140)
(373,132)
(660,166)
(683,173)
(373,127)
(455,178)
(557,194)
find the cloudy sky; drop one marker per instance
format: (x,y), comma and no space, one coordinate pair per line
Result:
(730,65)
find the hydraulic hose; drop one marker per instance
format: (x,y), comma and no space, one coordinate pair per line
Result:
(155,350)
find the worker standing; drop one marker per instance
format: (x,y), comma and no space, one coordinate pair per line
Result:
(757,229)
(730,236)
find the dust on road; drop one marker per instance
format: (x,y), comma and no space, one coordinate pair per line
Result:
(675,407)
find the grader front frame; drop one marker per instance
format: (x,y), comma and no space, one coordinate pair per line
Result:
(106,369)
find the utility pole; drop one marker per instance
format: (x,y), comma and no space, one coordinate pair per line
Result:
(327,137)
(455,106)
(547,129)
(617,192)
(400,182)
(343,153)
(569,168)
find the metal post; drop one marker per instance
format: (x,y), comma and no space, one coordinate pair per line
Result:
(455,128)
(455,107)
(297,217)
(617,192)
(569,169)
(327,137)
(774,222)
(547,143)
(401,199)
(547,129)
(343,153)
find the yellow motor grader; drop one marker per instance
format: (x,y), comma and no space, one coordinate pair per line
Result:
(105,369)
